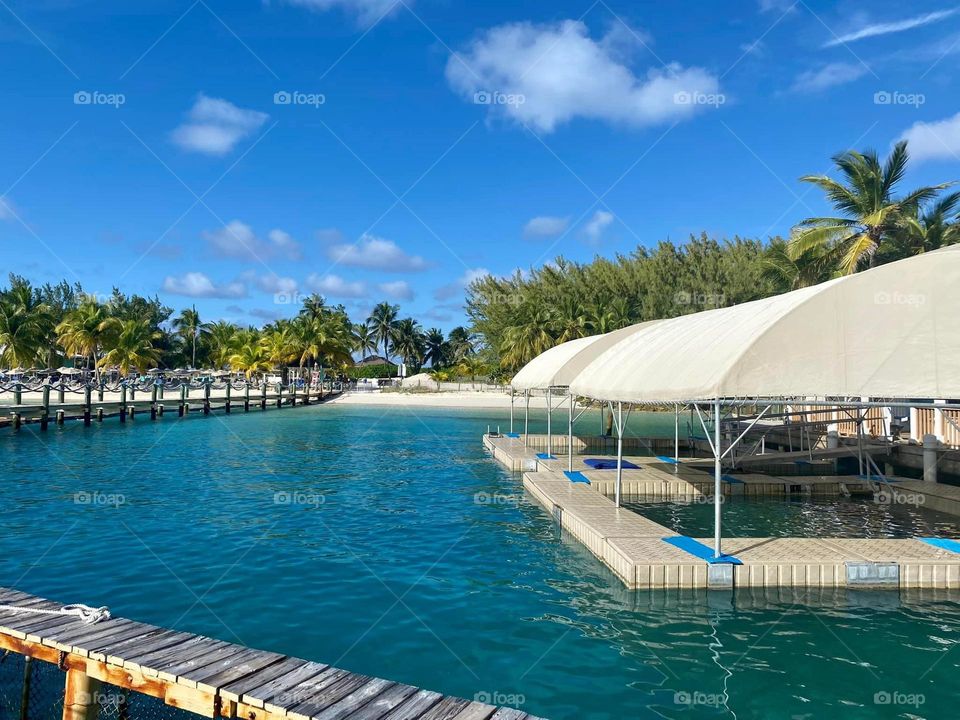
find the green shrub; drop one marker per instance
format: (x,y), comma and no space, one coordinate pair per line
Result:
(386,370)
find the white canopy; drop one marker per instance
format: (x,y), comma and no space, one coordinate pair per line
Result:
(559,365)
(891,332)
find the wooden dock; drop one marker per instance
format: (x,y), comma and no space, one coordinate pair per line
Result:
(647,555)
(209,677)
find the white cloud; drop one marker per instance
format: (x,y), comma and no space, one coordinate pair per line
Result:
(398,290)
(336,286)
(374,253)
(198,285)
(367,11)
(546,75)
(828,76)
(896,26)
(238,240)
(595,226)
(938,140)
(545,227)
(215,126)
(271,282)
(445,292)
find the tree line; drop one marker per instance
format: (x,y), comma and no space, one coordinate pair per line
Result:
(46,326)
(518,317)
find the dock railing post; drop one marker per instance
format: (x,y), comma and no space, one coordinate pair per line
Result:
(206,397)
(226,403)
(87,395)
(619,451)
(45,411)
(526,416)
(80,696)
(153,402)
(676,437)
(123,402)
(246,396)
(549,423)
(717,475)
(279,395)
(18,394)
(511,409)
(570,433)
(61,393)
(183,401)
(263,394)
(293,393)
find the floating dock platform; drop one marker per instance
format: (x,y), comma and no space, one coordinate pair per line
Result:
(647,555)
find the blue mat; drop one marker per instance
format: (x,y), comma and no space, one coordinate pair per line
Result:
(511,435)
(698,549)
(546,456)
(664,458)
(731,479)
(601,464)
(874,478)
(576,477)
(943,543)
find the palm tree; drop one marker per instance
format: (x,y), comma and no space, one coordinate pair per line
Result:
(929,229)
(82,331)
(570,320)
(436,347)
(188,325)
(364,341)
(130,344)
(866,197)
(471,366)
(223,339)
(250,358)
(381,321)
(314,306)
(281,344)
(25,324)
(408,341)
(461,343)
(524,341)
(324,338)
(785,272)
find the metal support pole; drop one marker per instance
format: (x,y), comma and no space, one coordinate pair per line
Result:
(549,424)
(511,410)
(717,474)
(526,417)
(570,435)
(619,451)
(676,438)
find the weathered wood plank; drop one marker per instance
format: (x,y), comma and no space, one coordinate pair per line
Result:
(213,679)
(447,709)
(174,669)
(149,662)
(140,656)
(235,690)
(298,693)
(382,704)
(258,696)
(347,706)
(506,713)
(476,711)
(332,694)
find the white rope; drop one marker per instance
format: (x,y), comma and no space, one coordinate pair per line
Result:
(87,614)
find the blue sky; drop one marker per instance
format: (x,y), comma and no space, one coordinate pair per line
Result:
(234,153)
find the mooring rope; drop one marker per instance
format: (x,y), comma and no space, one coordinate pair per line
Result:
(87,614)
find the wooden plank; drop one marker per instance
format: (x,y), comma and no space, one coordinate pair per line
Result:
(149,661)
(350,703)
(298,693)
(415,706)
(116,651)
(506,713)
(477,711)
(382,704)
(258,696)
(235,690)
(255,662)
(330,695)
(140,656)
(446,709)
(175,667)
(76,637)
(103,647)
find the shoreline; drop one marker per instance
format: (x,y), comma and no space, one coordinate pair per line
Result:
(445,399)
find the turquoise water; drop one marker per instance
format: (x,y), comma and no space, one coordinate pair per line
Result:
(815,517)
(385,541)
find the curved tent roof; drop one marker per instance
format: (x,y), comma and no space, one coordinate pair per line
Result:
(892,332)
(559,365)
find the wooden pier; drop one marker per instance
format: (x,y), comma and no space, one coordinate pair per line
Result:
(208,677)
(647,555)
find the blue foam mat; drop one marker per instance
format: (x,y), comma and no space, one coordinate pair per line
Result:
(664,458)
(576,477)
(943,543)
(731,479)
(698,549)
(546,456)
(607,464)
(511,435)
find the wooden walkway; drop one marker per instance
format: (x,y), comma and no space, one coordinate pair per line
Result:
(211,677)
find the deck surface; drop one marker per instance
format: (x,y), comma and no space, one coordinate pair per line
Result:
(207,675)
